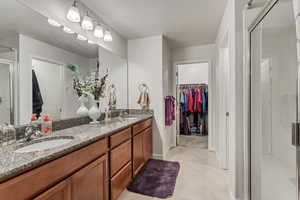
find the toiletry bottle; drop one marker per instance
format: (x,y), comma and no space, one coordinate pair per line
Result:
(46,125)
(34,121)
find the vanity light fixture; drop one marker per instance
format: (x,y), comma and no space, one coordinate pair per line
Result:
(87,23)
(68,30)
(107,36)
(98,32)
(91,42)
(54,23)
(73,14)
(81,37)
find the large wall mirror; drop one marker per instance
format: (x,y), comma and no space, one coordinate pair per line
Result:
(35,73)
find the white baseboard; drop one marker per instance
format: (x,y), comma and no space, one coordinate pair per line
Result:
(158,156)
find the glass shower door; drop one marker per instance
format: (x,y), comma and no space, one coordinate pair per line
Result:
(274,95)
(5,98)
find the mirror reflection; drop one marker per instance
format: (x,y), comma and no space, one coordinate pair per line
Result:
(35,73)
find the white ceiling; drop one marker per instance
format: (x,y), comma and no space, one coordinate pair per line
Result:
(183,22)
(16,18)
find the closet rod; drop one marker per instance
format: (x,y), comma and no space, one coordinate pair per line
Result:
(202,84)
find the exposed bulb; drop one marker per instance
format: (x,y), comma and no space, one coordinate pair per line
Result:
(54,23)
(87,23)
(68,30)
(107,36)
(81,37)
(73,14)
(98,32)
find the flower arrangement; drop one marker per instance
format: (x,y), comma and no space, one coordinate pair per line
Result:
(91,86)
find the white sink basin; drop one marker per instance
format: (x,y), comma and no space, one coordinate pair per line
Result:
(44,144)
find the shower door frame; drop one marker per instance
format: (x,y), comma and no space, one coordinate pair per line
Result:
(11,88)
(247,86)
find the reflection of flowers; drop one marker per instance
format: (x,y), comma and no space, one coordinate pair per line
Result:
(90,86)
(97,87)
(81,87)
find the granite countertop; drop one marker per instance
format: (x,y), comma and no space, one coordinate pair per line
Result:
(17,163)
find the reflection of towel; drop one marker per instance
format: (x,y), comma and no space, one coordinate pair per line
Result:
(112,100)
(37,99)
(144,99)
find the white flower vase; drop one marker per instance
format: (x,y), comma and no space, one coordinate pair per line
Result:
(94,113)
(82,110)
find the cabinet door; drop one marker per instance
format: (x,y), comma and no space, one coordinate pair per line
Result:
(61,191)
(147,144)
(91,182)
(138,155)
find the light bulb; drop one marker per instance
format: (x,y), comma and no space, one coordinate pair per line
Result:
(81,37)
(91,42)
(107,36)
(54,23)
(73,14)
(87,23)
(68,30)
(98,32)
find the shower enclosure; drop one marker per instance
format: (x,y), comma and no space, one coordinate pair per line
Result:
(274,103)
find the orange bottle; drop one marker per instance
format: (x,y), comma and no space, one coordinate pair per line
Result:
(46,125)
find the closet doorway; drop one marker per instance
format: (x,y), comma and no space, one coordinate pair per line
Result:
(192,103)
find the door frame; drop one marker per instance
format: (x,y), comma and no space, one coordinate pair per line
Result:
(11,88)
(210,103)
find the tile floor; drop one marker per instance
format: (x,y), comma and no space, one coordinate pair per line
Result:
(199,177)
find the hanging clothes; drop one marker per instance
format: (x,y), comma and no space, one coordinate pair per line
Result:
(37,99)
(193,109)
(169,110)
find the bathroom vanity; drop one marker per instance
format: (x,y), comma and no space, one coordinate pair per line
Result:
(98,165)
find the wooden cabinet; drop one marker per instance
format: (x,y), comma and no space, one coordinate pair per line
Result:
(138,154)
(142,146)
(91,182)
(36,181)
(61,191)
(87,173)
(120,137)
(120,181)
(141,126)
(119,157)
(147,144)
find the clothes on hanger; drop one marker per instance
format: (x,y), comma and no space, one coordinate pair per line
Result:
(37,99)
(169,110)
(193,109)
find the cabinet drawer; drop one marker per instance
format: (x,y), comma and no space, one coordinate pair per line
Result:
(119,156)
(120,181)
(141,126)
(38,180)
(120,137)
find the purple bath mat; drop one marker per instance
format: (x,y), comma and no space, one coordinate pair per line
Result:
(156,179)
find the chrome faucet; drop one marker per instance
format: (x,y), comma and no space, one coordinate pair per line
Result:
(123,113)
(31,130)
